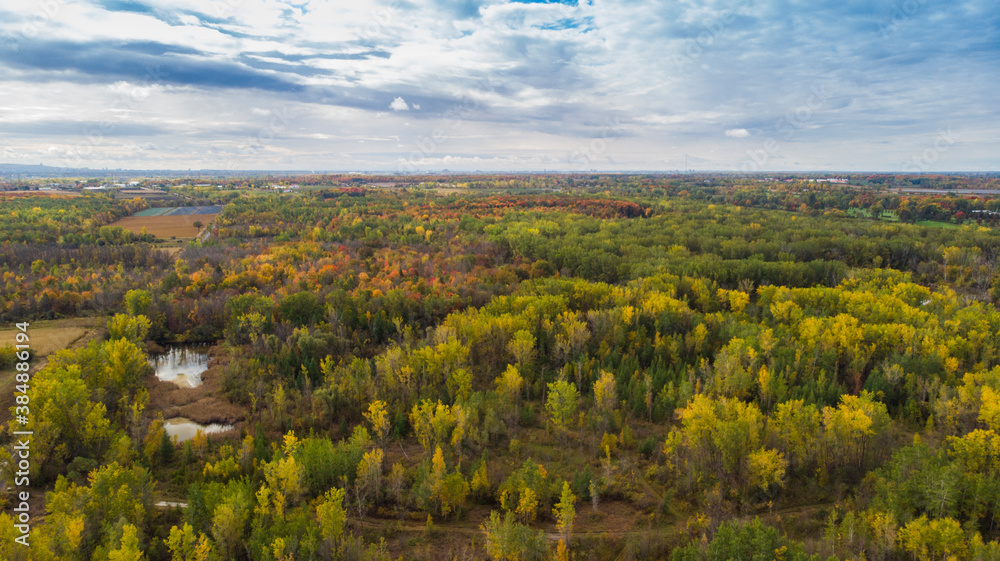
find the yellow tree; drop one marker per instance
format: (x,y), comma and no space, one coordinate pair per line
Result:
(565,511)
(129,549)
(284,481)
(933,539)
(449,490)
(527,506)
(133,328)
(795,426)
(522,348)
(766,467)
(369,479)
(989,413)
(378,418)
(509,386)
(605,394)
(854,424)
(185,545)
(481,481)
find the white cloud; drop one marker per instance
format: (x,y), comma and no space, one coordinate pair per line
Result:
(527,83)
(131,91)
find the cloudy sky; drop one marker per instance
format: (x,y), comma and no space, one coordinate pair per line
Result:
(411,85)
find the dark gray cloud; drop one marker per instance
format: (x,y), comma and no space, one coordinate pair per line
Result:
(145,62)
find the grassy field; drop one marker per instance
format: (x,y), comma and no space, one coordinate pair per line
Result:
(45,338)
(936,224)
(890,216)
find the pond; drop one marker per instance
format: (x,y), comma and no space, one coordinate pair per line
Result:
(186,429)
(182,365)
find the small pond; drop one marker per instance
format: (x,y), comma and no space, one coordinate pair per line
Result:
(182,365)
(186,429)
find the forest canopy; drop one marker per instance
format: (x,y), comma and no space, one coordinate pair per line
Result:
(507,368)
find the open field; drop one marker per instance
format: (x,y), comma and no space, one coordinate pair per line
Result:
(45,338)
(180,226)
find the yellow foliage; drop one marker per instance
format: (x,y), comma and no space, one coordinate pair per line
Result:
(605,394)
(989,412)
(527,508)
(767,467)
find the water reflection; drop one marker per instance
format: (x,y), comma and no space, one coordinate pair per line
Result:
(182,365)
(186,429)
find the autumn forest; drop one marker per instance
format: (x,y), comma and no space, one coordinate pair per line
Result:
(504,367)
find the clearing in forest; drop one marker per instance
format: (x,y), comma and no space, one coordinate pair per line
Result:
(176,222)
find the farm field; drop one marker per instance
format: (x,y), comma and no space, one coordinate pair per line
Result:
(180,226)
(169,222)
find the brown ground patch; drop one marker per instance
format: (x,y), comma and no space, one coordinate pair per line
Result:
(204,404)
(165,226)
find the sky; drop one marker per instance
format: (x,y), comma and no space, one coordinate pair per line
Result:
(495,85)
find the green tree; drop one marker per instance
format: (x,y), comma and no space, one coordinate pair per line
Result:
(507,540)
(562,403)
(138,302)
(67,424)
(332,516)
(565,511)
(301,308)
